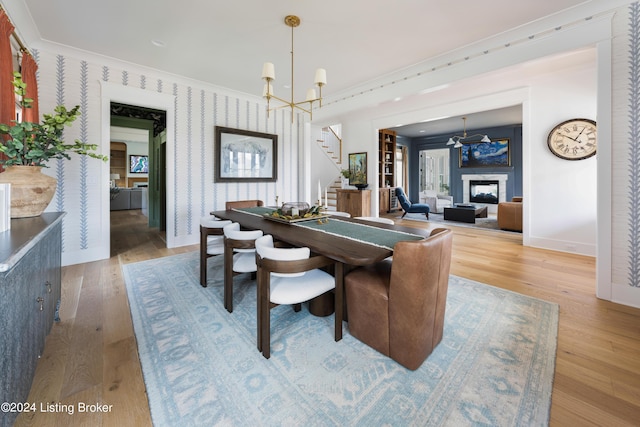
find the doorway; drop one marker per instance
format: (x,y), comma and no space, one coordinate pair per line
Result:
(141,99)
(143,133)
(434,170)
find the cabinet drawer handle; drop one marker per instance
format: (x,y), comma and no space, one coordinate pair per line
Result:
(48,285)
(41,301)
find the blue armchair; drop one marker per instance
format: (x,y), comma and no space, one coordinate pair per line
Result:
(409,207)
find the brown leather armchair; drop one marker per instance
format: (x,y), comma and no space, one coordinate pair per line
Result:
(510,214)
(397,306)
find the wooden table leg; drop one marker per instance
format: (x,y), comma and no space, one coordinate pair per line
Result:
(339,299)
(228,278)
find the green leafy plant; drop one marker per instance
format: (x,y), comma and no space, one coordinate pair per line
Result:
(34,144)
(346,173)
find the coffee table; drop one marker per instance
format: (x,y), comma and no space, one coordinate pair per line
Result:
(467,213)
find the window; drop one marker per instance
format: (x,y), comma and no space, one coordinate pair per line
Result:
(434,170)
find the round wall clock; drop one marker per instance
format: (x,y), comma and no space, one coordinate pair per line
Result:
(574,139)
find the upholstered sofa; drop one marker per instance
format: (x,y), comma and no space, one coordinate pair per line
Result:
(437,202)
(510,214)
(128,198)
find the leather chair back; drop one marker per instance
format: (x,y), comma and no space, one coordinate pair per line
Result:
(418,297)
(398,307)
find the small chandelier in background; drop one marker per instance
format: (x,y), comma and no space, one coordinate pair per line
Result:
(456,140)
(268,74)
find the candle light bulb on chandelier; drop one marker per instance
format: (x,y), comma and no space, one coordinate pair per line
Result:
(321,77)
(268,75)
(268,71)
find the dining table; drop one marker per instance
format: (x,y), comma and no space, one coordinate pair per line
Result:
(350,242)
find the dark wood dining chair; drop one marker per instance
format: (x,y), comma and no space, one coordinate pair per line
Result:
(286,276)
(397,306)
(211,242)
(239,204)
(239,257)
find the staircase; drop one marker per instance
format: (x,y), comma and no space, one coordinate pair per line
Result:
(331,144)
(332,195)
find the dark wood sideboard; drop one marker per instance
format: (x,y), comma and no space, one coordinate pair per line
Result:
(30,282)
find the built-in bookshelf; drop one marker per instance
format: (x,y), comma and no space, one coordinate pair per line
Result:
(387,170)
(386,158)
(118,162)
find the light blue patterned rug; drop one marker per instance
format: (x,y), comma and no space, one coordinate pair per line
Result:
(494,366)
(490,223)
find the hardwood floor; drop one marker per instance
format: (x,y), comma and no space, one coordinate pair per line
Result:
(91,355)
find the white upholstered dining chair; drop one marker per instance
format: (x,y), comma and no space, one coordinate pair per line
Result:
(286,276)
(376,219)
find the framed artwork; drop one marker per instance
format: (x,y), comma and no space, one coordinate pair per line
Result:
(245,156)
(485,154)
(358,169)
(138,163)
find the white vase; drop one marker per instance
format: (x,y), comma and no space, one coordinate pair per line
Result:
(344,182)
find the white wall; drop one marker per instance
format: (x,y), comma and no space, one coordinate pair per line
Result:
(561,194)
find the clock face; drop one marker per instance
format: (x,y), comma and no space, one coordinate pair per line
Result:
(575,139)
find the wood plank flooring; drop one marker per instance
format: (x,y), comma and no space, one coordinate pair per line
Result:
(91,355)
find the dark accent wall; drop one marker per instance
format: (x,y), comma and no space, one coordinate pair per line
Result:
(514,181)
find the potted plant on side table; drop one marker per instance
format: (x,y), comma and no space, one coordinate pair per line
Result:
(28,147)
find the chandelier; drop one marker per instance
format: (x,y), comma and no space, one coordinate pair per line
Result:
(456,140)
(268,74)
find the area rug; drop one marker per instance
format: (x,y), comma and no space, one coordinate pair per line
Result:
(494,366)
(438,218)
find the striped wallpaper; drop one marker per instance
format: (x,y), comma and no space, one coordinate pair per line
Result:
(64,79)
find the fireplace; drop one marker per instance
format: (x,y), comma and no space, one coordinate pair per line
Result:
(500,178)
(484,191)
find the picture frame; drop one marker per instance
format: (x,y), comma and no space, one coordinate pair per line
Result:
(478,154)
(138,163)
(358,169)
(245,156)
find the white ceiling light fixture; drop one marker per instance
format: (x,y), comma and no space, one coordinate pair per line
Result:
(456,139)
(268,75)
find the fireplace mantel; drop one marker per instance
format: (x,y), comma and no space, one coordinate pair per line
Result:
(502,189)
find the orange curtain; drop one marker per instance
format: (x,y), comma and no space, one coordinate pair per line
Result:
(29,68)
(7,96)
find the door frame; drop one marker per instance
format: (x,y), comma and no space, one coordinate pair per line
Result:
(111,92)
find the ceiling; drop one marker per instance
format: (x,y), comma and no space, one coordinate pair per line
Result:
(226,43)
(455,125)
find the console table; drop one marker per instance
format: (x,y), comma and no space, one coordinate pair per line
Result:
(30,282)
(356,202)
